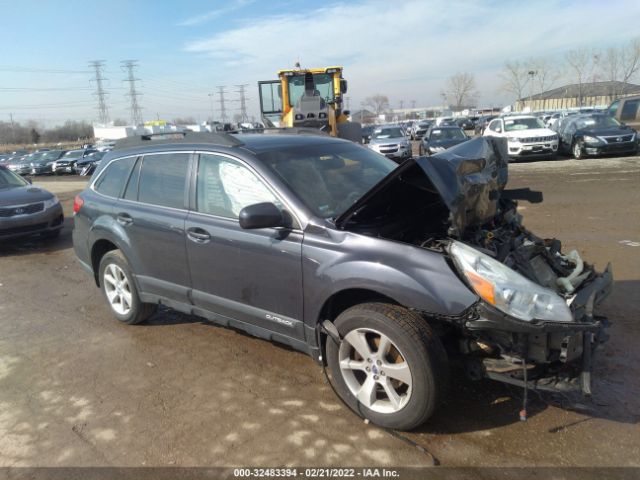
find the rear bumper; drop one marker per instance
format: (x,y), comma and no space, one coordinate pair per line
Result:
(46,221)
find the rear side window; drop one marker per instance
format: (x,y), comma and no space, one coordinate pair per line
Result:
(163,179)
(613,108)
(629,110)
(113,179)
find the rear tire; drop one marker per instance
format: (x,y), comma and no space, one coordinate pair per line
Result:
(119,289)
(405,380)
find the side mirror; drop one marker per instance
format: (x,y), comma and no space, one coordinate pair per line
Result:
(343,86)
(29,181)
(261,215)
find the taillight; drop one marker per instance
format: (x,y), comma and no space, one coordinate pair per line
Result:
(77,204)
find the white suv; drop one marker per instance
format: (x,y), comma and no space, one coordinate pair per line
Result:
(525,134)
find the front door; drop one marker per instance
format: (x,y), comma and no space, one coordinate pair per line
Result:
(254,276)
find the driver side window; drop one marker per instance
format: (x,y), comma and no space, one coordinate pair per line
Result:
(495,126)
(224,187)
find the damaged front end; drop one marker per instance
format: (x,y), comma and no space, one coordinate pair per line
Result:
(534,324)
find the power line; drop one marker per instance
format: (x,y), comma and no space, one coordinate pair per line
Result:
(223,110)
(136,111)
(243,102)
(100,93)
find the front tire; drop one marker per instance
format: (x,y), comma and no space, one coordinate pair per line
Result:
(389,366)
(119,289)
(576,150)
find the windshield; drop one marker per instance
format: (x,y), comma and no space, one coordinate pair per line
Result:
(74,154)
(52,155)
(323,83)
(388,133)
(513,124)
(599,121)
(328,179)
(9,179)
(447,134)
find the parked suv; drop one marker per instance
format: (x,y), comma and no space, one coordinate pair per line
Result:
(627,111)
(369,266)
(526,136)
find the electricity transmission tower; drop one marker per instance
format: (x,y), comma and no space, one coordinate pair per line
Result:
(136,110)
(243,102)
(223,110)
(100,94)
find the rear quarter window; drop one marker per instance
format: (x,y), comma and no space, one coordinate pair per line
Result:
(114,177)
(629,110)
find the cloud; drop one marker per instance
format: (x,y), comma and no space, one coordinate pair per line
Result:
(213,14)
(407,49)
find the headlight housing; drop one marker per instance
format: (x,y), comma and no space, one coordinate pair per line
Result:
(51,202)
(506,289)
(590,139)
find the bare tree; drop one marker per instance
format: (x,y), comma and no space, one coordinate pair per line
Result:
(378,103)
(581,62)
(461,89)
(546,74)
(630,60)
(620,64)
(515,76)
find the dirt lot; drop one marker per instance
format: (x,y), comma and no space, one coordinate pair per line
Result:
(79,389)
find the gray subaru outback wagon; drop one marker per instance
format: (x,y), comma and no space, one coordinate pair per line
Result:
(381,272)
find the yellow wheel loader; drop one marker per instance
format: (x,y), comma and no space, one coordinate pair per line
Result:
(308,98)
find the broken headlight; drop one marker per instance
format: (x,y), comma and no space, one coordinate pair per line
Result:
(506,289)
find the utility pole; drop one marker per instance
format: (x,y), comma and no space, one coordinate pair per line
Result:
(401,104)
(136,111)
(210,95)
(413,104)
(532,73)
(100,94)
(223,110)
(347,100)
(243,102)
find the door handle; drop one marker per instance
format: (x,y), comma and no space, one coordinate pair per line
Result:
(198,235)
(124,219)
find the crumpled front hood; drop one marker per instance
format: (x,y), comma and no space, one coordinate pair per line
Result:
(23,195)
(468,178)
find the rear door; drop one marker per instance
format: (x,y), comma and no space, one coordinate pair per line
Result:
(153,211)
(254,276)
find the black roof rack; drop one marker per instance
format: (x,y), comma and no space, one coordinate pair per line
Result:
(216,138)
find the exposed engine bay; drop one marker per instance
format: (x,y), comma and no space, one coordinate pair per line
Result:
(459,195)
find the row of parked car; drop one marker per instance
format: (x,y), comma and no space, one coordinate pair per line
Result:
(578,135)
(44,161)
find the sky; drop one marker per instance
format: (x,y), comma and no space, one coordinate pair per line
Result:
(403,49)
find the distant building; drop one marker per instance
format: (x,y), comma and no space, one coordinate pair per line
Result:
(363,116)
(593,94)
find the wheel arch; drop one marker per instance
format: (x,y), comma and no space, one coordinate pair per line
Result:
(98,250)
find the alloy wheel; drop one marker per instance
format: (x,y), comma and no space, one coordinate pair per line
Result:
(375,370)
(117,289)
